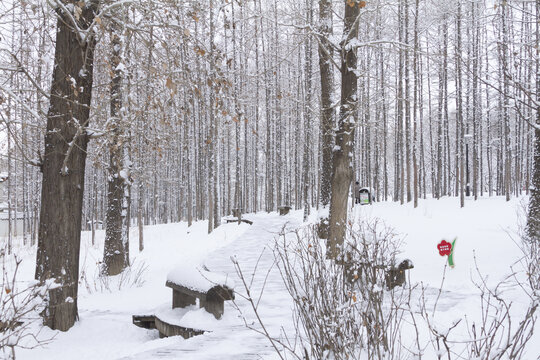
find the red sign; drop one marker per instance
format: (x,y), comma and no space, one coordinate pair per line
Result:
(445,248)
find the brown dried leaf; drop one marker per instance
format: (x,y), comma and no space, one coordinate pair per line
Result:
(77,11)
(170,85)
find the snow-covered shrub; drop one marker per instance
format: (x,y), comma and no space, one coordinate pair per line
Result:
(342,308)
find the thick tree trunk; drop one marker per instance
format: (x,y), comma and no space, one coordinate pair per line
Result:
(63,167)
(342,161)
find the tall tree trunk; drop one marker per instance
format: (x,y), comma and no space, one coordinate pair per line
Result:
(327,85)
(64,164)
(533,221)
(342,161)
(460,129)
(307,113)
(416,185)
(116,248)
(407,100)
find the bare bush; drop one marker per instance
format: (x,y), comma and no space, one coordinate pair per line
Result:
(20,304)
(346,309)
(495,333)
(342,309)
(132,276)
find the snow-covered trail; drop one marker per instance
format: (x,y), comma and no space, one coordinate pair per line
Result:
(234,340)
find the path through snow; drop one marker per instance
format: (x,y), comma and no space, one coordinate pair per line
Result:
(234,340)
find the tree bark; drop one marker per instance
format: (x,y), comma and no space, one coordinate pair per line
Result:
(64,165)
(342,161)
(533,220)
(327,85)
(116,249)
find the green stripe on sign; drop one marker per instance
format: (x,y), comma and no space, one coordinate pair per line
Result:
(451,256)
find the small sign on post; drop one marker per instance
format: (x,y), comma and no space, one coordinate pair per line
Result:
(365,196)
(445,248)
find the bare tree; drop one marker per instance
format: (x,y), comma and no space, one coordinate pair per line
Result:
(64,160)
(326,52)
(116,249)
(342,160)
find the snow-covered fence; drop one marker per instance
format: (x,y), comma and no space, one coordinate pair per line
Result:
(16,223)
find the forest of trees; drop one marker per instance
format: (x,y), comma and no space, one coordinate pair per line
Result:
(185,110)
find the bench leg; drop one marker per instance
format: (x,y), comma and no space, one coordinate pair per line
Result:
(180,300)
(214,307)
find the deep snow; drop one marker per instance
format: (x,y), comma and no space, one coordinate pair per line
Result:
(486,229)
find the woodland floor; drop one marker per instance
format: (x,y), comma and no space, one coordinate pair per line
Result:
(486,230)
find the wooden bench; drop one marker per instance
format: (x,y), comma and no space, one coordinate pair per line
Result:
(237,217)
(237,212)
(145,321)
(190,284)
(241,220)
(393,275)
(212,300)
(284,210)
(165,328)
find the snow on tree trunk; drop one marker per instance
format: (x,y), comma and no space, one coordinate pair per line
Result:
(116,249)
(64,164)
(342,161)
(327,85)
(533,221)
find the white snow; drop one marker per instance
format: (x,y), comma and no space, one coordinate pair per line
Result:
(197,278)
(121,67)
(486,232)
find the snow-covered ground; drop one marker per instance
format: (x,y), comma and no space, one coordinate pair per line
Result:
(486,229)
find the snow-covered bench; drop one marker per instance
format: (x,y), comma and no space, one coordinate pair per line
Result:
(237,217)
(284,209)
(191,283)
(394,275)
